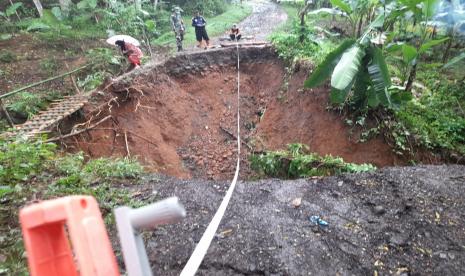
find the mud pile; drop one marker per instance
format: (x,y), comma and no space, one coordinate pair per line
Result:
(179,118)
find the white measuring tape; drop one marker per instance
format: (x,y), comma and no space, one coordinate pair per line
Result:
(202,247)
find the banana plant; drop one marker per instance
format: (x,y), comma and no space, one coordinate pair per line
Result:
(357,64)
(410,54)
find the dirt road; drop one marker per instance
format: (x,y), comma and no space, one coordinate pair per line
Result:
(265,18)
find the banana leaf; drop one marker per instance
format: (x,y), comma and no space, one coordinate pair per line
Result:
(379,75)
(324,70)
(346,69)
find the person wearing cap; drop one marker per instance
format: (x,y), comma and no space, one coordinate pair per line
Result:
(235,33)
(177,25)
(198,22)
(132,52)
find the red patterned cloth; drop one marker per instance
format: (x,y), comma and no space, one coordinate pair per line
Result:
(133,53)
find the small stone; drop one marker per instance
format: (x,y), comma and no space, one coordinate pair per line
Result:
(379,210)
(297,202)
(399,239)
(451,256)
(443,255)
(339,184)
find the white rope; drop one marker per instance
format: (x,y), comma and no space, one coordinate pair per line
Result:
(202,247)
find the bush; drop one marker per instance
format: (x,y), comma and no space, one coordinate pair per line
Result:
(19,160)
(7,56)
(297,162)
(291,49)
(28,104)
(34,170)
(437,119)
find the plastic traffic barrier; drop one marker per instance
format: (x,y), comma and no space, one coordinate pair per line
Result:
(67,236)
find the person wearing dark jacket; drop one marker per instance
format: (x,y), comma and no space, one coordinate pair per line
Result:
(198,22)
(235,33)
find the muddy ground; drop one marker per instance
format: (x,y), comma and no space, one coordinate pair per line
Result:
(396,221)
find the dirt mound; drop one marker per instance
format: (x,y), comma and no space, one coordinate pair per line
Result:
(396,221)
(179,117)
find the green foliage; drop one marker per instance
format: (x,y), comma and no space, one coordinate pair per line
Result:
(28,104)
(37,26)
(455,60)
(298,162)
(12,9)
(119,168)
(34,170)
(437,119)
(4,37)
(7,56)
(291,49)
(86,4)
(49,66)
(21,160)
(347,67)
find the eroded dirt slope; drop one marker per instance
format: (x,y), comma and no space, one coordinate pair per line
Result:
(179,117)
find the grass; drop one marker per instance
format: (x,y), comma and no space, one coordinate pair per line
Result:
(36,170)
(215,25)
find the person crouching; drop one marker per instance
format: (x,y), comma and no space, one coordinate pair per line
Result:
(235,33)
(132,52)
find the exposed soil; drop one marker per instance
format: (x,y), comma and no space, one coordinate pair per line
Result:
(179,117)
(396,221)
(29,53)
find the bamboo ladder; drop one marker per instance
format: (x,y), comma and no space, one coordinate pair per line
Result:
(44,120)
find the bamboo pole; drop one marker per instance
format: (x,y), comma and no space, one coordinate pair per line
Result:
(41,82)
(7,115)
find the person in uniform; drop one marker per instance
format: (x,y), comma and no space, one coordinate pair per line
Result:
(235,33)
(177,25)
(198,22)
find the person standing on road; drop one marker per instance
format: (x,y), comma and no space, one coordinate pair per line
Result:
(198,22)
(177,25)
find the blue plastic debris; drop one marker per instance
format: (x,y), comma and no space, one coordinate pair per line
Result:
(316,220)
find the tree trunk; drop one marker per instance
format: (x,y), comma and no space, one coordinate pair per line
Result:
(38,7)
(411,78)
(155,4)
(302,15)
(65,6)
(445,57)
(360,23)
(302,27)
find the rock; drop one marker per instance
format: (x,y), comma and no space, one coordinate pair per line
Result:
(443,255)
(379,210)
(339,183)
(399,239)
(297,202)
